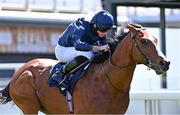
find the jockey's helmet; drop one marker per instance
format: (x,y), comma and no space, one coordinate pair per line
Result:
(103,20)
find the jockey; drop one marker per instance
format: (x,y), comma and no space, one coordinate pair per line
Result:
(82,40)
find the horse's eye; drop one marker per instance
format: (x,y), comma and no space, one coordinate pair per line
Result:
(144,42)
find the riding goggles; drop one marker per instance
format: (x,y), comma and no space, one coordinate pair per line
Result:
(103,29)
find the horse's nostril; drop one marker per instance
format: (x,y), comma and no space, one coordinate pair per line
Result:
(164,63)
(161,62)
(168,63)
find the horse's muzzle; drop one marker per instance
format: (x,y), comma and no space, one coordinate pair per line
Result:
(161,67)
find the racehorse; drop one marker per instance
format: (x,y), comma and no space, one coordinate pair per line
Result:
(104,88)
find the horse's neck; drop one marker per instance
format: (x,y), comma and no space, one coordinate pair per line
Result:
(122,55)
(121,67)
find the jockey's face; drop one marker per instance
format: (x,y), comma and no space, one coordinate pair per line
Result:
(101,34)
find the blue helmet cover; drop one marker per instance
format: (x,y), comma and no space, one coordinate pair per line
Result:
(103,19)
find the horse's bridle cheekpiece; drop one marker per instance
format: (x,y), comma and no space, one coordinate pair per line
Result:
(147,61)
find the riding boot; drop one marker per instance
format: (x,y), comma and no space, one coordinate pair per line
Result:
(68,67)
(74,63)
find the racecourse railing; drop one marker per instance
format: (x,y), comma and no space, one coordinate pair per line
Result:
(10,66)
(151,99)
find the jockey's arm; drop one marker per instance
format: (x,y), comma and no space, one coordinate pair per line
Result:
(83,46)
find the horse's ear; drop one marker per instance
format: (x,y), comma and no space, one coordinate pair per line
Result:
(132,29)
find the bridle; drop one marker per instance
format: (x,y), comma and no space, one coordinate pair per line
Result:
(147,61)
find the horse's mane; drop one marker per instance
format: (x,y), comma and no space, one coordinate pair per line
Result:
(114,38)
(119,34)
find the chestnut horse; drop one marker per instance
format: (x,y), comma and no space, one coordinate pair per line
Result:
(104,88)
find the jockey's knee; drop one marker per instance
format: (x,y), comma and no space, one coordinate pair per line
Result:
(81,59)
(88,55)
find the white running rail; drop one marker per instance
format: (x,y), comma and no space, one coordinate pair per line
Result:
(152,99)
(9,66)
(156,95)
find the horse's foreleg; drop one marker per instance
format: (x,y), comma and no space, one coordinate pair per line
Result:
(24,94)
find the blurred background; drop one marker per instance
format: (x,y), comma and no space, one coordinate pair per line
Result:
(30,28)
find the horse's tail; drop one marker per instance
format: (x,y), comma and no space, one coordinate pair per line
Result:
(4,95)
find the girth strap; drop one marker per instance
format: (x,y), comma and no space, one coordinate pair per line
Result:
(69,102)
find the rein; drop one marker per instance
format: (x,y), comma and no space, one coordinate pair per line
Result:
(119,67)
(116,66)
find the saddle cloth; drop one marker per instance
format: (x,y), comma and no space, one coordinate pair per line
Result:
(70,79)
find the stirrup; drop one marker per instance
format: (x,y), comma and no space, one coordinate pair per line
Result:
(3,99)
